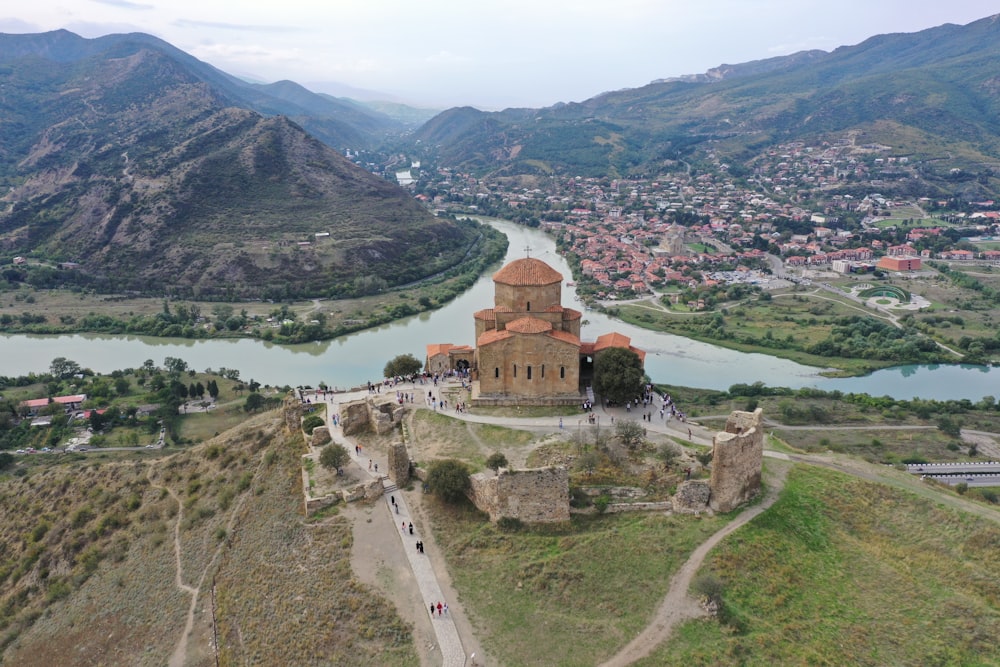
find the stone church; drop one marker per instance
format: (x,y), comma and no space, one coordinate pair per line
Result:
(528,349)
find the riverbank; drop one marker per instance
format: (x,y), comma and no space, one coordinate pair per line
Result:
(25,309)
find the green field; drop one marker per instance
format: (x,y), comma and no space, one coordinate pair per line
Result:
(846,572)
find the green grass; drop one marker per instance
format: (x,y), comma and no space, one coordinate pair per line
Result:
(551,595)
(845,572)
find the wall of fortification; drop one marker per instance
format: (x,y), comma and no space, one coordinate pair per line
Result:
(737,461)
(380,415)
(539,495)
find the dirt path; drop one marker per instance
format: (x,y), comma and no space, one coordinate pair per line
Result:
(180,655)
(180,650)
(678,605)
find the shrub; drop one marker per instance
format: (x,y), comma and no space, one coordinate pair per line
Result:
(496,461)
(708,585)
(509,524)
(601,503)
(311,422)
(449,479)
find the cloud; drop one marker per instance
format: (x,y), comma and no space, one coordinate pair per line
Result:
(17,26)
(218,25)
(91,30)
(123,4)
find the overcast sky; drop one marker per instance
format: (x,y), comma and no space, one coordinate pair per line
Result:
(488,54)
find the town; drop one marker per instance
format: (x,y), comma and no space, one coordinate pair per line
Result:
(716,224)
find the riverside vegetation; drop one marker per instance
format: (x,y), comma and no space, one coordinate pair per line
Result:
(32,302)
(826,329)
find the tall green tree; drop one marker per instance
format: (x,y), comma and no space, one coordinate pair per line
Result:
(618,374)
(404,364)
(334,457)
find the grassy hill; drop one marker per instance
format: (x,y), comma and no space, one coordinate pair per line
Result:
(137,164)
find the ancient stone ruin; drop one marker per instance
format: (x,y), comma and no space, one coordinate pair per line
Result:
(538,495)
(292,410)
(737,461)
(320,437)
(378,414)
(399,464)
(691,497)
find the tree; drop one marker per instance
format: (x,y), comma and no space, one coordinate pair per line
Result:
(213,389)
(496,461)
(618,374)
(174,365)
(629,432)
(63,368)
(449,479)
(253,403)
(333,457)
(402,365)
(668,453)
(588,461)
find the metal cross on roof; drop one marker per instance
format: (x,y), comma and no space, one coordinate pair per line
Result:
(527,251)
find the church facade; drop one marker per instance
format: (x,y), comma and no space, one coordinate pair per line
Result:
(528,348)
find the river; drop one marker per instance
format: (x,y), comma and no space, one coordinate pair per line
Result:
(357,358)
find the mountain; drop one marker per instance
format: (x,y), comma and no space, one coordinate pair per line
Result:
(159,174)
(928,93)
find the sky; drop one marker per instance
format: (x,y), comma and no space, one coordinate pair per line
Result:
(490,55)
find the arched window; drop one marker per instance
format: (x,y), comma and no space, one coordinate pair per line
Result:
(562,372)
(529,306)
(515,370)
(496,372)
(529,372)
(543,371)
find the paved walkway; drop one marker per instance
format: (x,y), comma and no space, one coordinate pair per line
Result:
(449,642)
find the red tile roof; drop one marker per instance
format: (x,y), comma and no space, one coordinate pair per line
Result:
(527,271)
(492,336)
(529,325)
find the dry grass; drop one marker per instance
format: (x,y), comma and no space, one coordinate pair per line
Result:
(89,564)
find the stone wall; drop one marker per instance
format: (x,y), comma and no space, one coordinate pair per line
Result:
(399,464)
(692,497)
(292,410)
(379,414)
(737,461)
(539,495)
(320,437)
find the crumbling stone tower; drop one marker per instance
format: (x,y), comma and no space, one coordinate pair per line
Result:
(399,464)
(737,461)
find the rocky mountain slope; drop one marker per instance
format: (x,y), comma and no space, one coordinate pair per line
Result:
(146,169)
(929,93)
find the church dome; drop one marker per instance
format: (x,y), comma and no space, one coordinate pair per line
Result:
(529,325)
(527,271)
